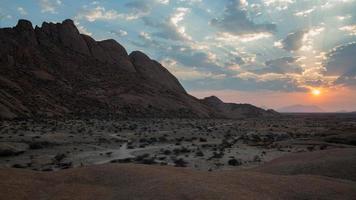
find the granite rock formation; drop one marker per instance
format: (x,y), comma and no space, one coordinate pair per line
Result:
(54,71)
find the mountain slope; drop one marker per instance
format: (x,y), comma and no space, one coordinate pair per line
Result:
(53,70)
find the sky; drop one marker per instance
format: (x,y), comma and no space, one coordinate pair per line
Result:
(271,53)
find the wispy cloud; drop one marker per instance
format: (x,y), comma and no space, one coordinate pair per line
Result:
(49,6)
(171,28)
(235,20)
(22,11)
(99,13)
(350,29)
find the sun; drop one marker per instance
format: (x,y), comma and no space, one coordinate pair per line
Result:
(316,92)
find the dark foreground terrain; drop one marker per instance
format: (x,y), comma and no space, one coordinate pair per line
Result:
(127,181)
(305,156)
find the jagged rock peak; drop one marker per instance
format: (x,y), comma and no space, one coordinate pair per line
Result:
(67,34)
(67,26)
(69,22)
(24,30)
(24,25)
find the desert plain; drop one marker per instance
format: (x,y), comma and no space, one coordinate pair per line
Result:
(300,148)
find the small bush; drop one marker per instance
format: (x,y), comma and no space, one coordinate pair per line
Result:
(234,162)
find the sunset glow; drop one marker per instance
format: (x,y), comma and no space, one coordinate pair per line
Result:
(316,92)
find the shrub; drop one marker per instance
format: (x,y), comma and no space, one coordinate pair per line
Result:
(234,162)
(180,163)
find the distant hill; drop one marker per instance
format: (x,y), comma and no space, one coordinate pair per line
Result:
(342,111)
(233,110)
(301,109)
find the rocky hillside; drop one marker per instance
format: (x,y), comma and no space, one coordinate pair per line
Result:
(233,110)
(53,70)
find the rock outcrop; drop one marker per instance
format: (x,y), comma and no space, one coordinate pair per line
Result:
(233,110)
(53,70)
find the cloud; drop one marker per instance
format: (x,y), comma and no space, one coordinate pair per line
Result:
(170,28)
(199,70)
(82,29)
(193,58)
(341,61)
(235,60)
(293,41)
(300,40)
(140,6)
(4,16)
(49,5)
(184,54)
(99,13)
(350,29)
(191,2)
(145,36)
(304,13)
(347,80)
(188,73)
(271,81)
(249,81)
(138,9)
(332,4)
(278,2)
(343,17)
(235,20)
(284,65)
(22,11)
(251,37)
(119,33)
(166,2)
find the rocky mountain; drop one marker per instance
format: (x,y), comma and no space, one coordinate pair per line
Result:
(301,109)
(53,70)
(233,110)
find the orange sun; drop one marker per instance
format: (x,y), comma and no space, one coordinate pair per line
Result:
(316,92)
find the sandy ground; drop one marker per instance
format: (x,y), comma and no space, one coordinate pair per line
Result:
(289,157)
(134,181)
(207,145)
(335,163)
